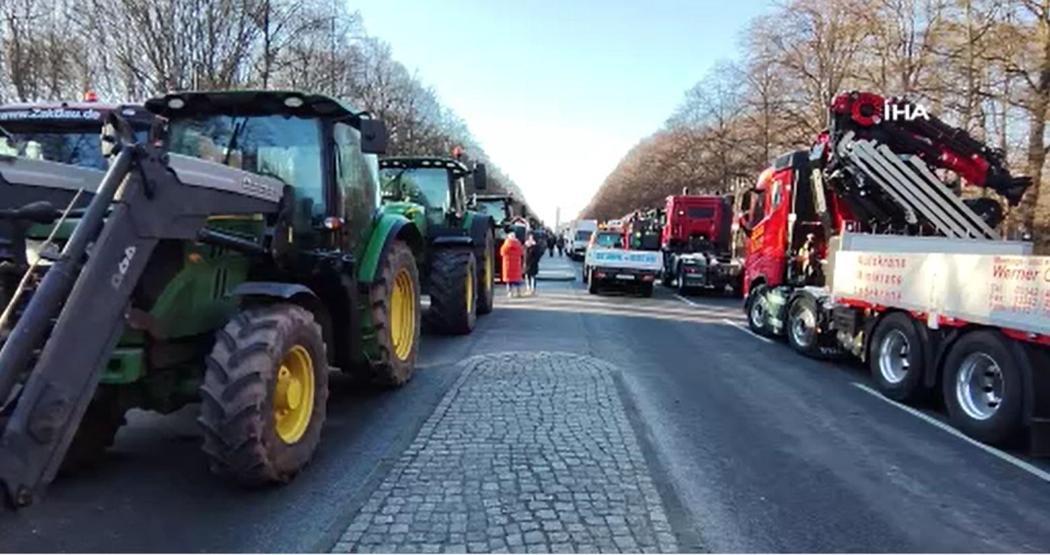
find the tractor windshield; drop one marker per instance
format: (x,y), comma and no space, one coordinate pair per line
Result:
(494,208)
(425,186)
(285,147)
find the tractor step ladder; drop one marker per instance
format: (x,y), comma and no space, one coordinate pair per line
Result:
(911,184)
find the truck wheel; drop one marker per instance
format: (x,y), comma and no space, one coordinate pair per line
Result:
(682,289)
(897,359)
(487,276)
(396,317)
(983,388)
(453,293)
(757,314)
(96,433)
(592,284)
(647,289)
(802,333)
(264,395)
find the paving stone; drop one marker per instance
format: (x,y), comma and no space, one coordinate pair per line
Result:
(526,452)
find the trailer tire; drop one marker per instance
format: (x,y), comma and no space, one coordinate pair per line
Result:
(396,278)
(265,394)
(757,316)
(802,333)
(983,388)
(453,292)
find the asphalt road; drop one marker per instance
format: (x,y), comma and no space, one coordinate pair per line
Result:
(752,448)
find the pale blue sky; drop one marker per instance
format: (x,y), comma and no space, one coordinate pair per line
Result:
(557,92)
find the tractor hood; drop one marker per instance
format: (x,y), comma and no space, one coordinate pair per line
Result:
(23,181)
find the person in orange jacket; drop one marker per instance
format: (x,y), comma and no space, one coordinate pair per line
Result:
(513,254)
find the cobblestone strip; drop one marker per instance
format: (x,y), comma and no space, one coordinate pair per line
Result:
(527,453)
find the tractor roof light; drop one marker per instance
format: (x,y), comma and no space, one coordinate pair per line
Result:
(176,103)
(293,101)
(90,96)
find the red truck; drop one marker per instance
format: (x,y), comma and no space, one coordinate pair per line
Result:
(856,247)
(696,239)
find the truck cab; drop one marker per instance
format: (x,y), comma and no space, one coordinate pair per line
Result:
(696,240)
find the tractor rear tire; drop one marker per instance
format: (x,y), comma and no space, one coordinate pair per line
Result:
(395,316)
(487,276)
(264,395)
(453,292)
(96,433)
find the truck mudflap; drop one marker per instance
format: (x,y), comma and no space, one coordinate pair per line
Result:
(87,296)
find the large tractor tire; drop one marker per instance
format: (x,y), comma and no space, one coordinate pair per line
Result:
(264,395)
(96,433)
(396,316)
(487,276)
(453,292)
(802,330)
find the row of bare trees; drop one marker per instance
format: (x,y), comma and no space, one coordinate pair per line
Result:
(983,65)
(128,50)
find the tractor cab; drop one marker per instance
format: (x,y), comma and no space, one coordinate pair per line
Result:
(499,206)
(66,132)
(437,184)
(318,146)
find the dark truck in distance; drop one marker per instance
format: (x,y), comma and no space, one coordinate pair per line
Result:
(697,243)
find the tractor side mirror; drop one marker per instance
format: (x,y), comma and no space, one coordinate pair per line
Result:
(374,136)
(481,178)
(741,223)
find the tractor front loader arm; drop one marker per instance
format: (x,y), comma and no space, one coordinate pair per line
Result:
(146,196)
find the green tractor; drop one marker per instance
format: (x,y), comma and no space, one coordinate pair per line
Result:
(232,262)
(499,206)
(459,260)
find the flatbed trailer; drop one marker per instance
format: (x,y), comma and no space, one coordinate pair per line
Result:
(969,318)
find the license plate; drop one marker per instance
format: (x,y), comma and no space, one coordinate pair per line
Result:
(624,276)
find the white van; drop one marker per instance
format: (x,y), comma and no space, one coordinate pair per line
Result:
(581,236)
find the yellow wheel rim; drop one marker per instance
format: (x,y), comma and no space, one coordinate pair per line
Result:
(403,314)
(470,291)
(293,397)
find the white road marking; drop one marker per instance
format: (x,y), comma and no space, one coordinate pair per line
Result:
(685,300)
(1006,457)
(747,331)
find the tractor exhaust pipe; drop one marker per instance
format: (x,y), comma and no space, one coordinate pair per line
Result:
(28,333)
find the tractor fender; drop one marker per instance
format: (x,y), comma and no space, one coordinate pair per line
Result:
(273,289)
(387,229)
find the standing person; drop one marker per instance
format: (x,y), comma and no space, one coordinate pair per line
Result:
(560,243)
(550,244)
(512,253)
(533,253)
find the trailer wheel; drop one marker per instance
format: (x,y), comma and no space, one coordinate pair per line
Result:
(264,395)
(453,293)
(802,332)
(983,388)
(897,359)
(487,276)
(757,312)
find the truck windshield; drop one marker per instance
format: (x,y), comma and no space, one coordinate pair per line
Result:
(80,146)
(609,240)
(426,186)
(701,212)
(583,235)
